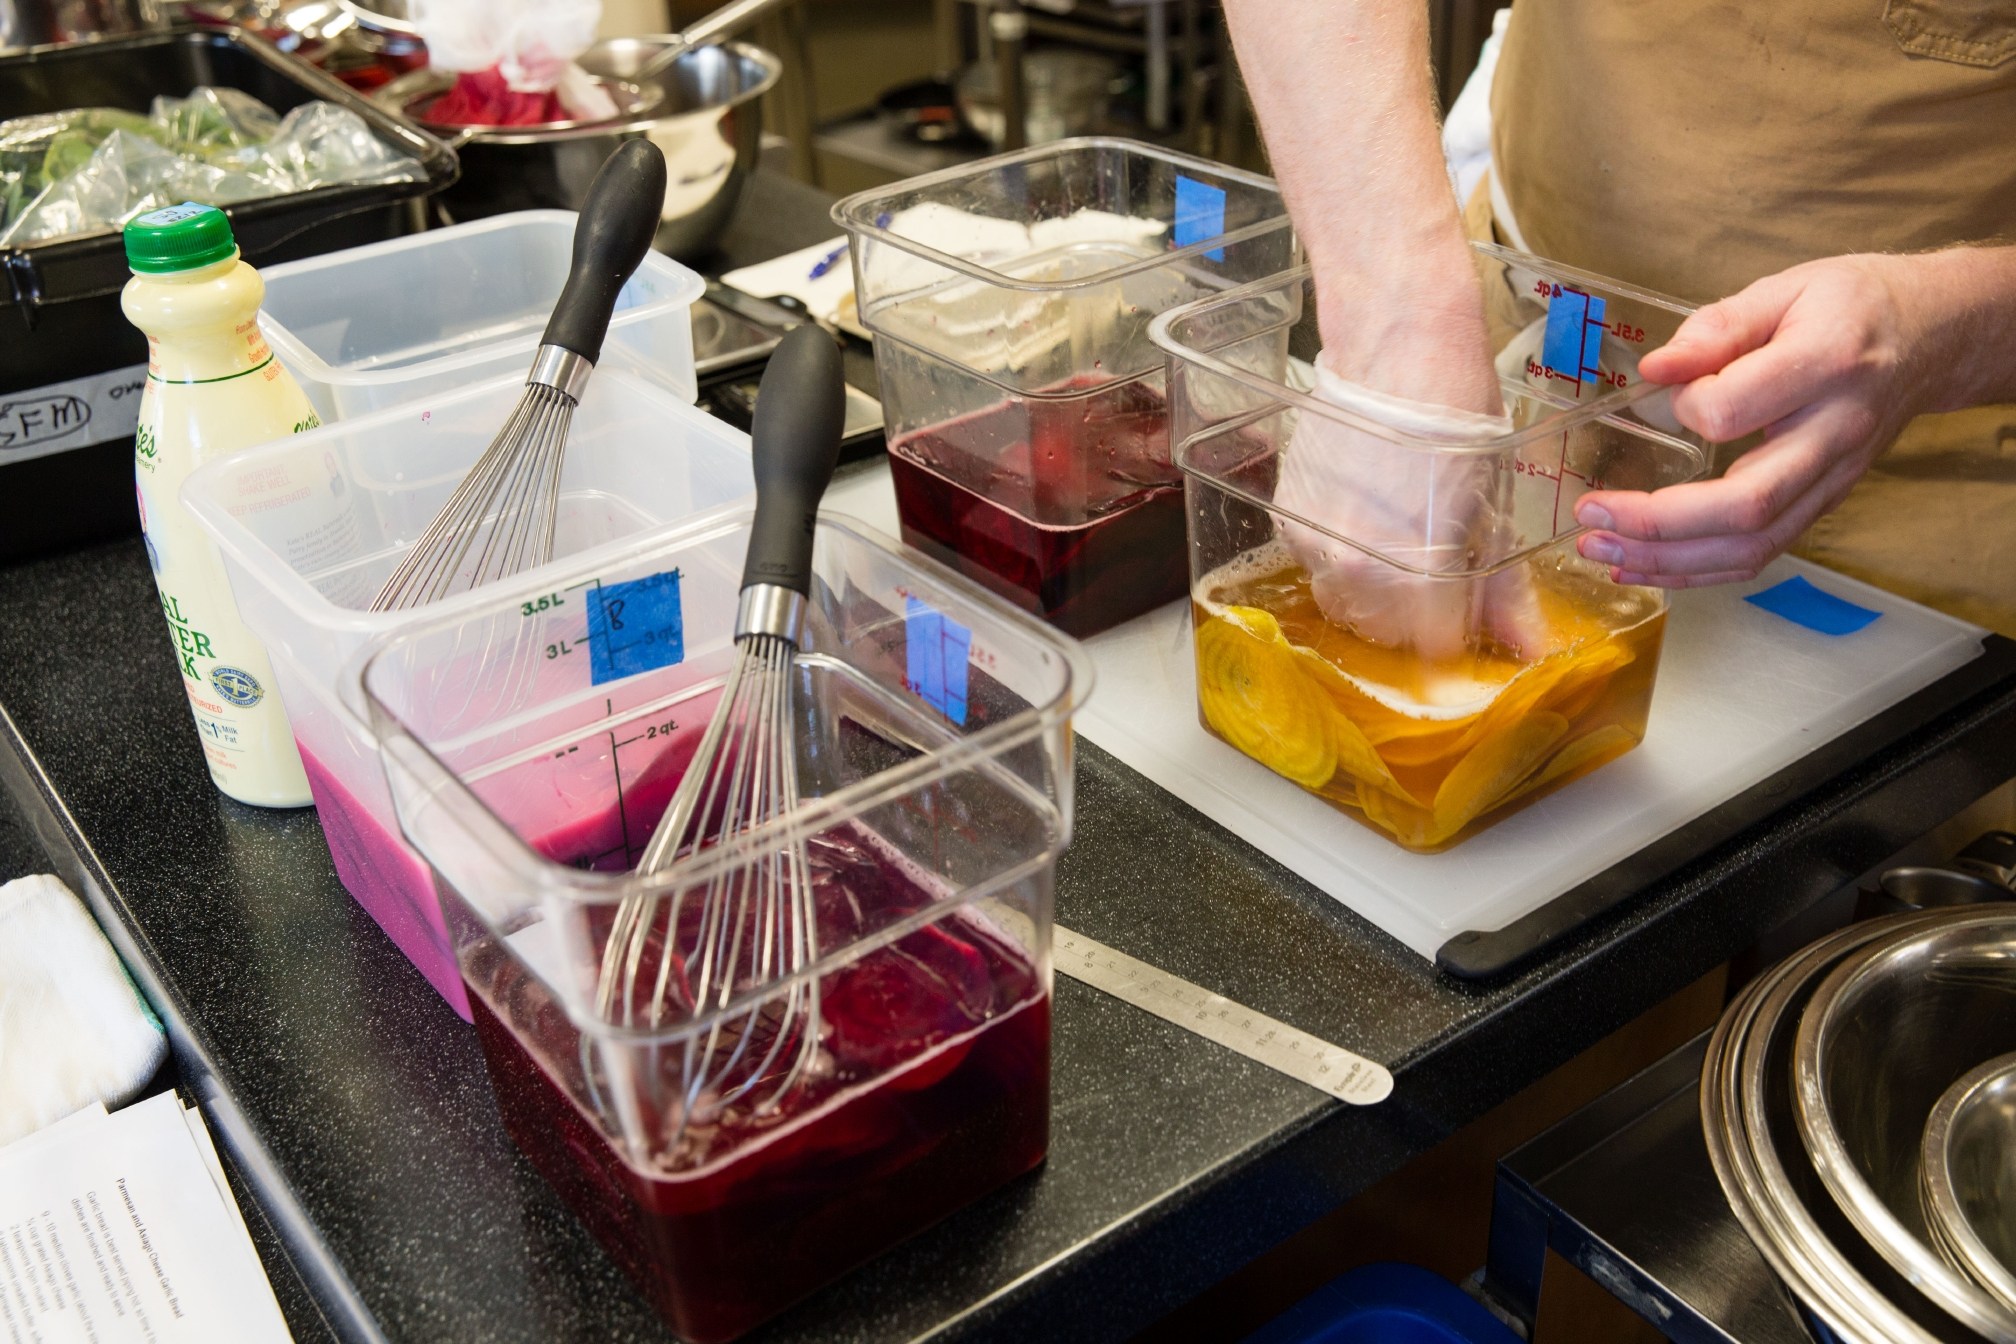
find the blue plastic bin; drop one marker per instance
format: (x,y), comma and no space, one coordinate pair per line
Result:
(1385,1304)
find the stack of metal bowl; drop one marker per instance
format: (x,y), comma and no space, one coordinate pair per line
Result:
(1861,1116)
(1967,1180)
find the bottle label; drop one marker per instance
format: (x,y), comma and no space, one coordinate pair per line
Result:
(237,685)
(190,643)
(55,418)
(221,359)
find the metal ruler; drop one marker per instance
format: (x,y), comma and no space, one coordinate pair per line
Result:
(1326,1067)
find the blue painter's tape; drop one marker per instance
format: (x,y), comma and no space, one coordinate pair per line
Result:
(635,627)
(924,643)
(1567,317)
(1801,603)
(1200,214)
(936,657)
(1592,340)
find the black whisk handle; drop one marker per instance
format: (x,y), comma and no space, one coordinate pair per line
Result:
(617,223)
(801,406)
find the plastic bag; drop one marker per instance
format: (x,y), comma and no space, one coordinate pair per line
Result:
(1432,516)
(514,60)
(67,173)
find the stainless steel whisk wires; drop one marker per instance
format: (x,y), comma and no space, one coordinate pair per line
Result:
(753,923)
(510,500)
(506,511)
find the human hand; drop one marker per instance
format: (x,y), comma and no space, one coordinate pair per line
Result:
(1430,515)
(1829,359)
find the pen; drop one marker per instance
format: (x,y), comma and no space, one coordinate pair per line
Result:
(827,262)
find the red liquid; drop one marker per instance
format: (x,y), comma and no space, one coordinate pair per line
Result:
(1107,543)
(932,1089)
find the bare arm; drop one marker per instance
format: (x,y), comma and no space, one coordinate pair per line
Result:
(1829,359)
(1343,94)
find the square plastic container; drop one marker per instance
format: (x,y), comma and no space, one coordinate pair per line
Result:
(638,459)
(1009,300)
(1574,335)
(422,316)
(1453,660)
(932,744)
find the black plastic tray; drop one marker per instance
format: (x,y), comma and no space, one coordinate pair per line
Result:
(130,73)
(59,300)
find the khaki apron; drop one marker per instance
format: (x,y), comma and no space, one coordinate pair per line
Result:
(1692,146)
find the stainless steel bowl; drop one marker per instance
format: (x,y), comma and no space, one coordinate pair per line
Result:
(701,111)
(506,168)
(1753,1145)
(413,95)
(382,16)
(709,123)
(1887,1032)
(1967,1176)
(1935,888)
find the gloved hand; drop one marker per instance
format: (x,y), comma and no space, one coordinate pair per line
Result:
(1436,512)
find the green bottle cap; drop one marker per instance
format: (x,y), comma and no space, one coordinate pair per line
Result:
(179,238)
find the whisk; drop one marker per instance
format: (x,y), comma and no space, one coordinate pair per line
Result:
(510,500)
(753,923)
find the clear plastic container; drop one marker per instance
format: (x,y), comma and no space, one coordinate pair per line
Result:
(1479,662)
(1009,301)
(639,459)
(932,742)
(1574,336)
(430,314)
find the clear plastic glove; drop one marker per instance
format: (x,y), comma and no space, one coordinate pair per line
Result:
(1430,513)
(530,43)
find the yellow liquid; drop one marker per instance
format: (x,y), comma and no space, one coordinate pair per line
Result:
(1427,753)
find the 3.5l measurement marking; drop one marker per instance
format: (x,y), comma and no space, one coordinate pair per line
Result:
(1326,1067)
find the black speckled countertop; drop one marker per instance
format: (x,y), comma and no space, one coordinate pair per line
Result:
(355,1103)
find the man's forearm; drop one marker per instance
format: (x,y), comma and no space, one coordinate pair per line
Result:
(1344,99)
(1974,291)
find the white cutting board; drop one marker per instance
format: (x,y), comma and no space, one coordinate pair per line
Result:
(1741,694)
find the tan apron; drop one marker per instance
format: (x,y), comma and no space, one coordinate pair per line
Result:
(1692,146)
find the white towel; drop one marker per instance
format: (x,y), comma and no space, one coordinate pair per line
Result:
(73,1030)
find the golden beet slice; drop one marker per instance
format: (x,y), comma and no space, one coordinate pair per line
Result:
(1586,752)
(1356,755)
(1411,825)
(1587,679)
(1255,696)
(1494,767)
(1546,685)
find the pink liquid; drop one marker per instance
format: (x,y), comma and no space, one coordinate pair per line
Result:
(392,883)
(932,1089)
(1110,544)
(396,886)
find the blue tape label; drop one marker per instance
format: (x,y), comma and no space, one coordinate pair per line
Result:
(936,655)
(1573,346)
(1200,214)
(635,627)
(1801,603)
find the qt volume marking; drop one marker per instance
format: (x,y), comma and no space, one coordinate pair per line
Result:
(1285,1049)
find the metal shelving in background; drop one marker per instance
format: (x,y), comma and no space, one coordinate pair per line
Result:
(1183,88)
